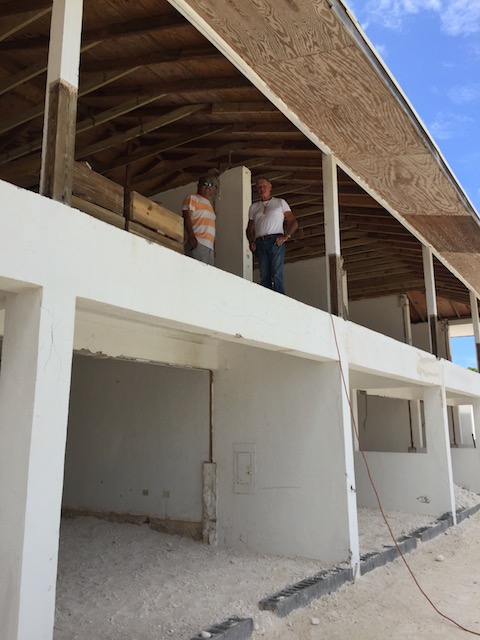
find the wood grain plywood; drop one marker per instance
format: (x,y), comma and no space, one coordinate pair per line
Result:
(450,234)
(412,185)
(304,55)
(267,31)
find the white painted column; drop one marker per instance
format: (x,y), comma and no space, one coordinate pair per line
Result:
(34,396)
(61,100)
(438,447)
(476,423)
(476,324)
(431,297)
(231,206)
(336,289)
(342,426)
(354,418)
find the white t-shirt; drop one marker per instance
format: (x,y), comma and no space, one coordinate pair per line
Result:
(268,216)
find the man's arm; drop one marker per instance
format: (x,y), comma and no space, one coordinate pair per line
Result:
(290,227)
(250,231)
(187,219)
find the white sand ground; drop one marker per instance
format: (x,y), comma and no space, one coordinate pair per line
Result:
(127,582)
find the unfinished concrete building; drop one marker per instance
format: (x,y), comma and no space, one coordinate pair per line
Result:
(139,382)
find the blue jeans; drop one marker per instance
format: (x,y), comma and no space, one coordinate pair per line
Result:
(270,262)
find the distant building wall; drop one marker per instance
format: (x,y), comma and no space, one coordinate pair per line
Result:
(137,437)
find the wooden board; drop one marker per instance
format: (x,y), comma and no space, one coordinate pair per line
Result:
(156,217)
(94,188)
(148,234)
(98,212)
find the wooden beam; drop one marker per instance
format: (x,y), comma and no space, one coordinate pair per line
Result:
(56,175)
(135,132)
(167,167)
(34,70)
(378,274)
(153,58)
(84,125)
(15,7)
(94,83)
(250,108)
(25,75)
(122,29)
(182,86)
(148,152)
(10,25)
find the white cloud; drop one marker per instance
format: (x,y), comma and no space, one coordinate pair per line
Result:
(458,17)
(461,17)
(448,125)
(465,94)
(391,13)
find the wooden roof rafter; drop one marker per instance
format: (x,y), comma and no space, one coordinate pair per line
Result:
(146,61)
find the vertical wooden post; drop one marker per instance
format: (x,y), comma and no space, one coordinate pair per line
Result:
(431,298)
(58,149)
(476,324)
(127,189)
(337,304)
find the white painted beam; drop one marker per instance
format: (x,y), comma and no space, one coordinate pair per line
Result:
(58,148)
(34,395)
(231,205)
(476,325)
(438,446)
(431,297)
(332,236)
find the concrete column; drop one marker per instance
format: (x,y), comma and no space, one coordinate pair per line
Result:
(336,288)
(61,100)
(231,206)
(476,325)
(34,396)
(340,429)
(438,447)
(476,423)
(431,298)
(209,503)
(416,424)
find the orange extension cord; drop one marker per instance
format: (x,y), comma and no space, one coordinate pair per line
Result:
(362,451)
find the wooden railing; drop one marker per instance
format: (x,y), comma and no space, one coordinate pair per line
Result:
(104,199)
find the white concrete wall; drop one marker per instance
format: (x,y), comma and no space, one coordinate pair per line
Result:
(278,386)
(173,198)
(306,281)
(413,482)
(405,482)
(421,338)
(136,427)
(287,412)
(466,468)
(233,200)
(467,425)
(384,315)
(383,423)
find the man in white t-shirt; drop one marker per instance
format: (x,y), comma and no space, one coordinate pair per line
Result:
(270,225)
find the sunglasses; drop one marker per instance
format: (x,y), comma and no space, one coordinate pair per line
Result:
(205,183)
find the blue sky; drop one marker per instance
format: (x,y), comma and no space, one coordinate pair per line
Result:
(463,351)
(432,48)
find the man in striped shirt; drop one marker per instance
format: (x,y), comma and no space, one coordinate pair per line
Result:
(199,219)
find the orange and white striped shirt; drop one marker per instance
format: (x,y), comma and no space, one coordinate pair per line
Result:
(203,218)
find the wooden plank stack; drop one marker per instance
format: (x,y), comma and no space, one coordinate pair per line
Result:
(104,199)
(153,221)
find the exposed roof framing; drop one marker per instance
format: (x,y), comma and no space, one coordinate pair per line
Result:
(156,97)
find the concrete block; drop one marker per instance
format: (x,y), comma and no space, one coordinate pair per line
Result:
(301,593)
(232,629)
